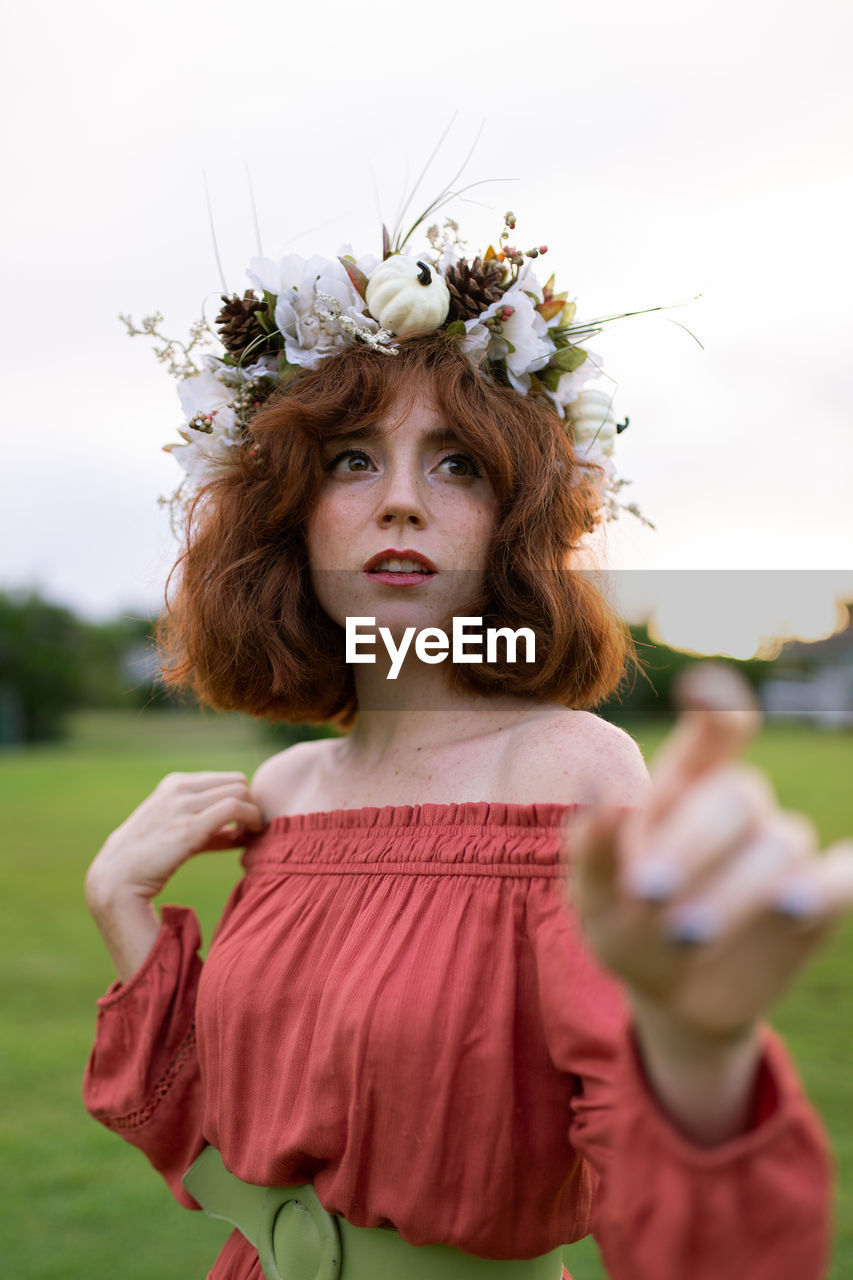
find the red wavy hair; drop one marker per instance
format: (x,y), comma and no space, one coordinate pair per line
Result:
(244,630)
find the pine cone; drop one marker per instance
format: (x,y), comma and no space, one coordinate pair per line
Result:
(473,286)
(239,327)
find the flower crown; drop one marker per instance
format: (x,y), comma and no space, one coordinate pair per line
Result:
(300,311)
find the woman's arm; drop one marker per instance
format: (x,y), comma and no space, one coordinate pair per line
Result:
(705,1086)
(705,900)
(142,1079)
(128,924)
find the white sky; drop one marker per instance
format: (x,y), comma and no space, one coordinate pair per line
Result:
(660,149)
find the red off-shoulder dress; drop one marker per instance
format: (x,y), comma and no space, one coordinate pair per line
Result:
(398,1006)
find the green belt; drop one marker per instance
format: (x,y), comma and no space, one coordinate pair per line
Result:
(297,1239)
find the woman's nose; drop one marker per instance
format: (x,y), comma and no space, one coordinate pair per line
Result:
(402,501)
(394,515)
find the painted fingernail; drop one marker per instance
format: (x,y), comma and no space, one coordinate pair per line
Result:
(693,924)
(652,879)
(798,901)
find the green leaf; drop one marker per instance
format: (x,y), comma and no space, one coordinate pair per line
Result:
(285,368)
(568,359)
(549,377)
(456,327)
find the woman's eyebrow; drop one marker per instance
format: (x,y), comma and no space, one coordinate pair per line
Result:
(371,431)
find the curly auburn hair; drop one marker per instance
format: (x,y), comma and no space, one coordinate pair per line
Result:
(245,632)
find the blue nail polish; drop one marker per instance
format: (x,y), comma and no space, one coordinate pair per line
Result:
(797,901)
(693,925)
(652,879)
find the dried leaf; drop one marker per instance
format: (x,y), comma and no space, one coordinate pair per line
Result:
(550,309)
(356,275)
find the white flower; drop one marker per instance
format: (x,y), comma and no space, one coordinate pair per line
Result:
(526,282)
(310,330)
(475,344)
(367,263)
(523,342)
(264,367)
(206,397)
(571,385)
(293,274)
(204,394)
(202,456)
(276,277)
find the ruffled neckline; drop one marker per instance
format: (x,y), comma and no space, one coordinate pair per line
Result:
(464,813)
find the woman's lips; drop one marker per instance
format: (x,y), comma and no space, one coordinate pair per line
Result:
(399,568)
(396,579)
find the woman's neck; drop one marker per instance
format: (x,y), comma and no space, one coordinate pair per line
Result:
(423,708)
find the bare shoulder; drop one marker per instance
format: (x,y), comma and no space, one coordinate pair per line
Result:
(281,782)
(576,754)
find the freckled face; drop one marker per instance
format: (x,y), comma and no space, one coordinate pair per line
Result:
(404,484)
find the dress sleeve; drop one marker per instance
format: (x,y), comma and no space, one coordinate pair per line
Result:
(664,1207)
(142,1078)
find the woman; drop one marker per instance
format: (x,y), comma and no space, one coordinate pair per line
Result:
(399,1006)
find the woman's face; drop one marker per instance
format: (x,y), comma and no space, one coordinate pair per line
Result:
(405,485)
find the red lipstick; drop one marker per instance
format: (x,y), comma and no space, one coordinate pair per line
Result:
(387,567)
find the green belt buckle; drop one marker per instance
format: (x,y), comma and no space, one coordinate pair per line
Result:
(291,1225)
(293,1240)
(281,1222)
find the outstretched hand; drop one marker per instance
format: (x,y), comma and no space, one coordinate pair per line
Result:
(706,900)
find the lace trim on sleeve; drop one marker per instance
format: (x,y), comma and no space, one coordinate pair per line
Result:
(136,1119)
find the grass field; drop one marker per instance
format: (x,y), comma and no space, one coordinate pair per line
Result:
(77,1202)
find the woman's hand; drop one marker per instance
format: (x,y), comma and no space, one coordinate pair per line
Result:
(707,900)
(186,814)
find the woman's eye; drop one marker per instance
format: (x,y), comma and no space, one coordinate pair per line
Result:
(459,464)
(356,460)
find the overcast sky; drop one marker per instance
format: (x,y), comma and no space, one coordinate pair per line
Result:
(660,149)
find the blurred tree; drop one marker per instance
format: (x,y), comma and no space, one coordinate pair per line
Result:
(282,733)
(52,662)
(648,693)
(42,660)
(124,667)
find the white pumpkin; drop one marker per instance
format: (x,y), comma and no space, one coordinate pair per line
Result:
(593,419)
(407,297)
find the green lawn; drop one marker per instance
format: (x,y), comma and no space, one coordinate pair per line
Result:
(80,1204)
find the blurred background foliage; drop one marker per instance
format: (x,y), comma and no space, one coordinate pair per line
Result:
(53,663)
